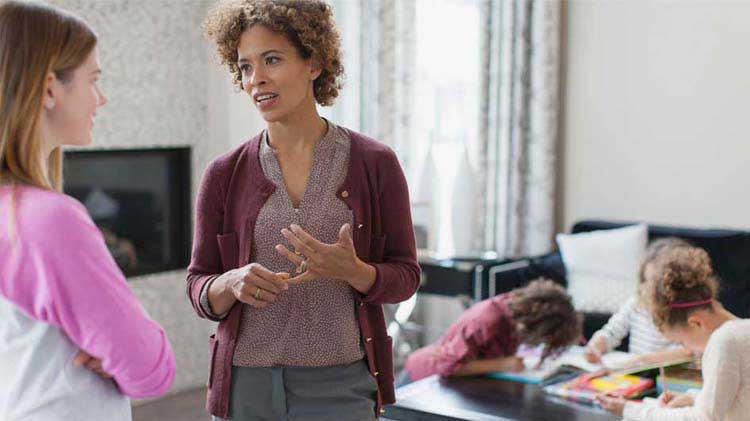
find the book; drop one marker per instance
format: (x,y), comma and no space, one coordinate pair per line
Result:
(642,368)
(584,389)
(680,378)
(570,364)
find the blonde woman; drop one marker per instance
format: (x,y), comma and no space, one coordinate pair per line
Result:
(74,341)
(304,199)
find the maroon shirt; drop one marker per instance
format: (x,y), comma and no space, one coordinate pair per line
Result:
(486,330)
(230,196)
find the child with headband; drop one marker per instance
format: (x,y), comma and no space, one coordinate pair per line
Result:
(634,320)
(682,300)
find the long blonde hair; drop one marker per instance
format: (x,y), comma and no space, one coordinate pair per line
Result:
(35,39)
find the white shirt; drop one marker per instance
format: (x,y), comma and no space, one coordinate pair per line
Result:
(38,381)
(634,320)
(725,395)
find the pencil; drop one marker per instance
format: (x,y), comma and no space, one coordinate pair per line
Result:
(663,379)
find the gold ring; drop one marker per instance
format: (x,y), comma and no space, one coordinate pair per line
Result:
(302,266)
(257,293)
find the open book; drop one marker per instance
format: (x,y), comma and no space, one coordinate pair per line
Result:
(567,365)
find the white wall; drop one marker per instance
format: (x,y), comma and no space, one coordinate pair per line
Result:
(656,112)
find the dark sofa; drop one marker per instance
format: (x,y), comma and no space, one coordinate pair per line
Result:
(729,251)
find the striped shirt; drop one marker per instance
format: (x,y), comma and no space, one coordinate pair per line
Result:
(634,320)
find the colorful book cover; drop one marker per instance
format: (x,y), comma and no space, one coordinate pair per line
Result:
(584,388)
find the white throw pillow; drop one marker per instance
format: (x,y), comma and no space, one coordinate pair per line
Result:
(602,266)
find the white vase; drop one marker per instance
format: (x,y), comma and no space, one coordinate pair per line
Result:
(463,205)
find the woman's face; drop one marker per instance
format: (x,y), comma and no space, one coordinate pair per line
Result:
(277,78)
(72,106)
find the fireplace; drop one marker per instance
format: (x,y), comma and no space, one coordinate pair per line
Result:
(140,200)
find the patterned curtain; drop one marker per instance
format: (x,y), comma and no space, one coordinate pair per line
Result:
(378,50)
(519,124)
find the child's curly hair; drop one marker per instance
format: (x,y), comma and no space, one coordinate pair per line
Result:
(655,248)
(683,274)
(307,24)
(544,314)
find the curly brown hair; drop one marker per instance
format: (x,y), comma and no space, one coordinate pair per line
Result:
(655,248)
(544,314)
(307,24)
(683,274)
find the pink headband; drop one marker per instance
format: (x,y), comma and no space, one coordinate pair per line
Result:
(686,304)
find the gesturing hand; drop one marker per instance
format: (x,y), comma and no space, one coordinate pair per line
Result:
(316,259)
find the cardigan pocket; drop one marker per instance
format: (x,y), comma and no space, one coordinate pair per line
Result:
(212,345)
(377,248)
(229,250)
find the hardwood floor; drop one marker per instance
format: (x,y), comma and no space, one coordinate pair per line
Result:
(186,406)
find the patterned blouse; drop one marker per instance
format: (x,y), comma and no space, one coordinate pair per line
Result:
(312,324)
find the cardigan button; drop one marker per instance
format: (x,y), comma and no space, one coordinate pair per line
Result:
(344,194)
(368,340)
(376,373)
(382,410)
(360,226)
(361,304)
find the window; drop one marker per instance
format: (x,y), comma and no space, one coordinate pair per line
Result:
(418,62)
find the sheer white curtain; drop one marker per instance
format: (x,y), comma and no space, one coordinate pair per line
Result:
(413,67)
(467,93)
(520,114)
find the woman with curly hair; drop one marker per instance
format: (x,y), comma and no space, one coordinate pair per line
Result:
(485,338)
(682,301)
(301,233)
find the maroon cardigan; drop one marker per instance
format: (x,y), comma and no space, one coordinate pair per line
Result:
(231,194)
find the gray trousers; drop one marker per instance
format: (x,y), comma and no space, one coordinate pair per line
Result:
(342,392)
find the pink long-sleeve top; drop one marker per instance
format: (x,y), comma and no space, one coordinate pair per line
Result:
(486,330)
(61,291)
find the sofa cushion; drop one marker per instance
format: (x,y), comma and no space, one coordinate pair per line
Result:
(602,266)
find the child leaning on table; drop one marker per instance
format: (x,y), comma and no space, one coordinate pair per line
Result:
(485,337)
(634,319)
(682,300)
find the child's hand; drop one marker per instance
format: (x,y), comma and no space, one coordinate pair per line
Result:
(675,400)
(595,349)
(592,355)
(612,403)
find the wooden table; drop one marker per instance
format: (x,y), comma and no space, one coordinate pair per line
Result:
(485,399)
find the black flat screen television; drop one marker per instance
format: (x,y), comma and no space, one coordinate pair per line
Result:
(140,200)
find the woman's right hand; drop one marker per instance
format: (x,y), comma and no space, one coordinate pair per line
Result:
(257,286)
(254,285)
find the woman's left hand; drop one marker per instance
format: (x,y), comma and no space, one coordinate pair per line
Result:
(612,403)
(336,261)
(94,364)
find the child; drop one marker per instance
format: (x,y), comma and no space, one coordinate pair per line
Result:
(682,300)
(633,318)
(485,337)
